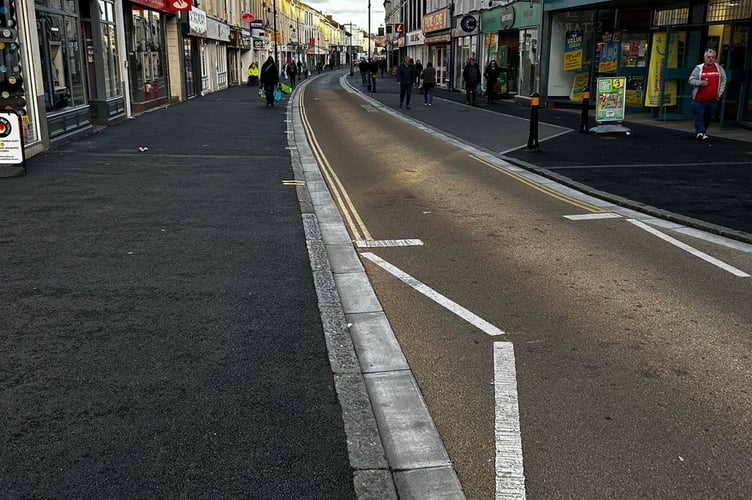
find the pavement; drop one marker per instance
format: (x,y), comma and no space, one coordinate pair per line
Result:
(174,321)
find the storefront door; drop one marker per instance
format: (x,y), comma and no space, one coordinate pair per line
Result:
(528,61)
(441,63)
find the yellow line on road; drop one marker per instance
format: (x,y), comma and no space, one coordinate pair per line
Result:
(540,187)
(346,206)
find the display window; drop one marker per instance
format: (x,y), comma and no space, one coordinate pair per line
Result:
(109,58)
(59,46)
(146,57)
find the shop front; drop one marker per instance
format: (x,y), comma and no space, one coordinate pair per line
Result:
(103,63)
(510,37)
(466,37)
(146,32)
(437,39)
(66,109)
(656,50)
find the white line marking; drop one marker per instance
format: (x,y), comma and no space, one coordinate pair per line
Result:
(510,474)
(432,294)
(607,215)
(388,243)
(687,248)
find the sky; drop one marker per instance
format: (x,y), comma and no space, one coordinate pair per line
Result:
(355,11)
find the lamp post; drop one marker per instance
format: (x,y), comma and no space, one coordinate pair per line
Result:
(369,30)
(276,48)
(387,33)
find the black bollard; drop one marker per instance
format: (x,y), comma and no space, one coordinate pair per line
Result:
(584,127)
(532,141)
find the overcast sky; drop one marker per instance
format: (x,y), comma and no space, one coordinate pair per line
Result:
(355,11)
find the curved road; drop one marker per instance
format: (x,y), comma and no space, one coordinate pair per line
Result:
(630,341)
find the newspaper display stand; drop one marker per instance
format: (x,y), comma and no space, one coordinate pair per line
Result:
(12,155)
(610,105)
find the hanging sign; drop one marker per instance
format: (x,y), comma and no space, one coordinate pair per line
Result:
(611,99)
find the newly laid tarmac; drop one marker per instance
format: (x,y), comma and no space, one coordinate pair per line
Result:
(171,326)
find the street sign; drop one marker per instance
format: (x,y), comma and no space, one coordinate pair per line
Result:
(247,17)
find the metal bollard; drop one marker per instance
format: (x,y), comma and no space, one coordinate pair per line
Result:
(584,127)
(532,141)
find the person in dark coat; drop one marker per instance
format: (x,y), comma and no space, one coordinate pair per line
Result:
(373,67)
(269,79)
(363,68)
(471,75)
(292,72)
(418,73)
(406,79)
(492,80)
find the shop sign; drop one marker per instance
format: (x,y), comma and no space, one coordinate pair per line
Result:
(435,21)
(468,24)
(458,31)
(197,22)
(415,38)
(490,21)
(664,53)
(217,31)
(438,39)
(506,17)
(579,86)
(527,14)
(153,4)
(257,28)
(11,145)
(611,99)
(180,5)
(573,51)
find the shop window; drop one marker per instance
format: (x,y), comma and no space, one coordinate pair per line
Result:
(634,50)
(110,58)
(60,52)
(728,10)
(667,17)
(146,58)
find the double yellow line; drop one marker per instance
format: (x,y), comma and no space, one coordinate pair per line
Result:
(540,187)
(356,225)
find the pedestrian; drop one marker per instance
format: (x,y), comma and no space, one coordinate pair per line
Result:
(363,68)
(305,73)
(292,72)
(492,80)
(300,70)
(373,67)
(418,72)
(709,82)
(429,82)
(406,79)
(269,79)
(471,76)
(253,75)
(382,66)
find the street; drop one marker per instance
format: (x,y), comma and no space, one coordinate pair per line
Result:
(631,350)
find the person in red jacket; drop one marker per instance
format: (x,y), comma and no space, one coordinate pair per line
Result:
(709,82)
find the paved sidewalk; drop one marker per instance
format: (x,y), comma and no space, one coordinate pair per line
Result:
(160,334)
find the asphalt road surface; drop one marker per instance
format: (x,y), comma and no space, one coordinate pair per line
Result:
(631,350)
